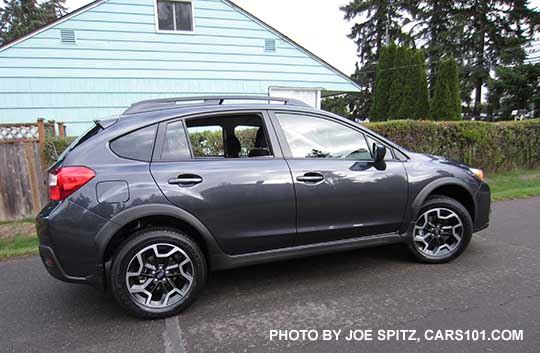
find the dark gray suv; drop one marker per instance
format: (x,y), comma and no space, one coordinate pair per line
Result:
(148,203)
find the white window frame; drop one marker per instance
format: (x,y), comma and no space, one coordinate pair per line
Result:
(156,16)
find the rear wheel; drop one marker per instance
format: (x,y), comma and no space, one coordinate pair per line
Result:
(442,231)
(157,273)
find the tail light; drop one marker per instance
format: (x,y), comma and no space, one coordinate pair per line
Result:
(66,180)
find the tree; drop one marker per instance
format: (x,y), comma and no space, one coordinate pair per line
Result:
(19,17)
(338,105)
(400,88)
(415,102)
(55,9)
(495,34)
(380,22)
(446,102)
(515,88)
(421,111)
(440,27)
(353,105)
(383,84)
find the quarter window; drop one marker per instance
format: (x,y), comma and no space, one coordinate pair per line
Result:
(175,15)
(311,137)
(136,145)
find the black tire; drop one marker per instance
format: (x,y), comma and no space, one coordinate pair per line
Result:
(141,240)
(440,201)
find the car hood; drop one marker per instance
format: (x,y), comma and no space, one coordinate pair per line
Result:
(424,157)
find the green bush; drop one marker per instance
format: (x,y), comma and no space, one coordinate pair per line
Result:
(54,146)
(492,147)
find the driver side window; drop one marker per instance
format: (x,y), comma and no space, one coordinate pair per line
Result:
(312,137)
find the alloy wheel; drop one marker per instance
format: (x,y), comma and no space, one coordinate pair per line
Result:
(438,233)
(159,276)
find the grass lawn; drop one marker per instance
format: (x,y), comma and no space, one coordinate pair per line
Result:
(515,185)
(19,238)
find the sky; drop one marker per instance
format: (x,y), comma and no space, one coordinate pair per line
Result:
(317,25)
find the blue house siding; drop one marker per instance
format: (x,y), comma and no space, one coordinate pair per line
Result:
(120,58)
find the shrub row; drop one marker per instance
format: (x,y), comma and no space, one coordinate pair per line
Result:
(54,146)
(492,147)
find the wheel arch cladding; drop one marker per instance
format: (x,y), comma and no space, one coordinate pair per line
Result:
(450,187)
(122,226)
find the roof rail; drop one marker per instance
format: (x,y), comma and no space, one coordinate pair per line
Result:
(169,103)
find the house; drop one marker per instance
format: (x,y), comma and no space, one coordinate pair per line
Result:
(96,61)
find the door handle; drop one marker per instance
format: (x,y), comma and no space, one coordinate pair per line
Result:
(186,180)
(311,178)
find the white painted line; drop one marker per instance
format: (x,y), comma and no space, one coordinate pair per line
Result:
(172,336)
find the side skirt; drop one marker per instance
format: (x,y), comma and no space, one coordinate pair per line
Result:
(223,261)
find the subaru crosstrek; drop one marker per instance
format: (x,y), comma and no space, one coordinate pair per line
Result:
(147,203)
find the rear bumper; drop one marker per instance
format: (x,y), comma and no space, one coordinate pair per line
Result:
(67,245)
(54,267)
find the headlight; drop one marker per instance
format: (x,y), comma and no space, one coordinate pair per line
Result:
(477,173)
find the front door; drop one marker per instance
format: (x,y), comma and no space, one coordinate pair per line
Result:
(224,171)
(340,193)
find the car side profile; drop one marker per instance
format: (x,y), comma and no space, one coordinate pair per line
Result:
(147,203)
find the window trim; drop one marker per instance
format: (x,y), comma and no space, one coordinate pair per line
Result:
(273,140)
(287,150)
(167,31)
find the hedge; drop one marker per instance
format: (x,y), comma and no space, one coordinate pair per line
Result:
(494,147)
(54,146)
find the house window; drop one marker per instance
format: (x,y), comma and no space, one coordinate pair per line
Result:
(175,15)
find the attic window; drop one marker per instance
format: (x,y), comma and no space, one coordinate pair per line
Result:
(270,45)
(174,15)
(67,36)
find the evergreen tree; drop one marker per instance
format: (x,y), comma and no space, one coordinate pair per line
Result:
(440,27)
(496,32)
(54,9)
(401,90)
(446,102)
(515,88)
(375,19)
(415,103)
(19,17)
(421,111)
(381,100)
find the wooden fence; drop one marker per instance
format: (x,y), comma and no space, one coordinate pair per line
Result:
(23,179)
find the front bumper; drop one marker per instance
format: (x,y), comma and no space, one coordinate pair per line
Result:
(483,208)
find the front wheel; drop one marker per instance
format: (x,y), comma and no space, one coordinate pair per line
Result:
(442,231)
(157,273)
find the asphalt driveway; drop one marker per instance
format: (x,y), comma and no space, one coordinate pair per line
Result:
(494,285)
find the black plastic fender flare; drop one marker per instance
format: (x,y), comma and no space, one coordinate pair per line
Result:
(125,217)
(421,197)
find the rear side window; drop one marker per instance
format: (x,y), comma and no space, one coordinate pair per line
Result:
(136,145)
(206,141)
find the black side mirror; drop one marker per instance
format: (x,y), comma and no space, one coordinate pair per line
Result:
(379,152)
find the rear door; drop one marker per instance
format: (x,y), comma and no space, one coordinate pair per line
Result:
(228,171)
(340,192)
